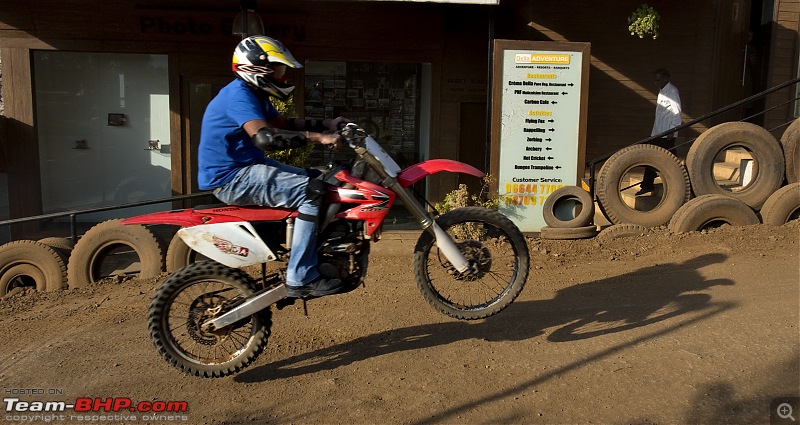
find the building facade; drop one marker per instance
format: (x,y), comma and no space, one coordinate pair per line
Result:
(102,101)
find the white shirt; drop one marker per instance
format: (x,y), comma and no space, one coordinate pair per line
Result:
(668,110)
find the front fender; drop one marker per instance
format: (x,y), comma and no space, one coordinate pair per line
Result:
(417,172)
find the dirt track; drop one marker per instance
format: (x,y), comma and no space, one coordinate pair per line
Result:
(687,328)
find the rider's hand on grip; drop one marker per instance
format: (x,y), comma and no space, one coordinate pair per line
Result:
(332,141)
(336,123)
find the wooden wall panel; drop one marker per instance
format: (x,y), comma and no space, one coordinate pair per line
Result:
(21,147)
(783,63)
(621,90)
(454,38)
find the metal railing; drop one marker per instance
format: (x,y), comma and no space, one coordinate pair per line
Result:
(592,165)
(75,213)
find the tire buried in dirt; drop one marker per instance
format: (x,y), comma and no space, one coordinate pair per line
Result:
(30,263)
(782,206)
(566,233)
(768,162)
(93,248)
(674,180)
(622,230)
(499,258)
(63,244)
(713,210)
(790,141)
(179,254)
(560,207)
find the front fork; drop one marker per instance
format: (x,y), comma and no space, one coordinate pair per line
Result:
(443,240)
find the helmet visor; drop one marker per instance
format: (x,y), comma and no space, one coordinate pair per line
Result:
(278,71)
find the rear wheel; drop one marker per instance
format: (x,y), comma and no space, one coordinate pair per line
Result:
(191,297)
(498,258)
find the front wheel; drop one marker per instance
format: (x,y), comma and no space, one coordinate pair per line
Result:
(498,258)
(189,298)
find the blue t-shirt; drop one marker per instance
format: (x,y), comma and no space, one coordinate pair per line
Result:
(225,148)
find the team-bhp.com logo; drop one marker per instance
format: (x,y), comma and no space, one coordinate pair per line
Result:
(85,409)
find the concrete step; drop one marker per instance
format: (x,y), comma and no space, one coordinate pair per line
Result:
(643,202)
(726,171)
(735,155)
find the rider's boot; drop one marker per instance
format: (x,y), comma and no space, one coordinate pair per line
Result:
(317,288)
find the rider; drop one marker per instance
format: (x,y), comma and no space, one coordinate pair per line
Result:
(239,124)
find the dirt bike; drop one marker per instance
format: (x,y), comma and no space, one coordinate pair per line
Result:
(213,319)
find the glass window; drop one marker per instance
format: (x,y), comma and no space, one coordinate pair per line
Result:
(103,129)
(386,98)
(390,100)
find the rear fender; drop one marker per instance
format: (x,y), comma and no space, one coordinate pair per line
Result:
(223,214)
(417,172)
(182,218)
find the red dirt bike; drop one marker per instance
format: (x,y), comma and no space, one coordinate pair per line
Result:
(212,319)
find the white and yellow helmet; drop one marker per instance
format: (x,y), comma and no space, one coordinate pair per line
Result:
(261,62)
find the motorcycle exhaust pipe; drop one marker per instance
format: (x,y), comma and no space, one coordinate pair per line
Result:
(248,308)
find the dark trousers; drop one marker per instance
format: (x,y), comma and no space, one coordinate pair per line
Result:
(649,173)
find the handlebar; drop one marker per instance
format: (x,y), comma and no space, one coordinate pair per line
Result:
(354,135)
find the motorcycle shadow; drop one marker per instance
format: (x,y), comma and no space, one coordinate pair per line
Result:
(616,304)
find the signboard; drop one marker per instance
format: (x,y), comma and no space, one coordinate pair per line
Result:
(538,124)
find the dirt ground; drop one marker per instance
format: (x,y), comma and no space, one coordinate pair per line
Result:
(665,328)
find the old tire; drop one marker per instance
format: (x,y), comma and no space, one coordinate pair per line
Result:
(63,244)
(568,206)
(30,263)
(782,206)
(563,233)
(622,230)
(98,242)
(674,179)
(768,162)
(790,141)
(179,254)
(708,211)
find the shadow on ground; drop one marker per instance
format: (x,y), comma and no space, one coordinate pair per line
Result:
(616,304)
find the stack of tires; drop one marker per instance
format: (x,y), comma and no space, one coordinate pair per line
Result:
(691,198)
(52,264)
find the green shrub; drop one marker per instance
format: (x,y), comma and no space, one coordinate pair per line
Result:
(644,22)
(297,157)
(461,197)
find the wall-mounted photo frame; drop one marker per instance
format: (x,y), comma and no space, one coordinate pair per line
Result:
(116,120)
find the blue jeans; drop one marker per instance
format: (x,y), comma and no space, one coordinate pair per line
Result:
(276,184)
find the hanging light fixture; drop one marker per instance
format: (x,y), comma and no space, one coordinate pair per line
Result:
(247,22)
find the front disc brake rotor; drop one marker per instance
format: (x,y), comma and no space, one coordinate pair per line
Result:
(478,257)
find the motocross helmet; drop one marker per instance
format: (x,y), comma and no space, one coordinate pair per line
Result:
(261,62)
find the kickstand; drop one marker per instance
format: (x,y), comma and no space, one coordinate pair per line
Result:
(305,307)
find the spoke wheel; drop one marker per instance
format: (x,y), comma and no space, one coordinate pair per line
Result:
(498,264)
(191,297)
